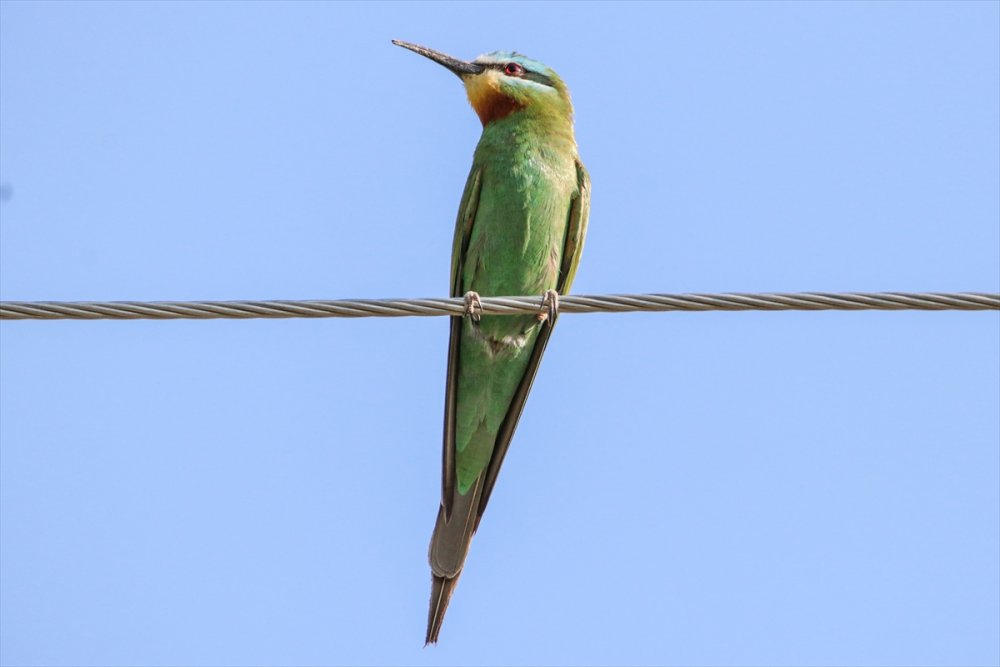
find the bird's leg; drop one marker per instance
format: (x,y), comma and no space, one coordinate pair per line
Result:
(473,306)
(550,307)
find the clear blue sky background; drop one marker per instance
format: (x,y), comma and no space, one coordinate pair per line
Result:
(699,489)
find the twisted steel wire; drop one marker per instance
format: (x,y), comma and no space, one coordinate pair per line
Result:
(622,303)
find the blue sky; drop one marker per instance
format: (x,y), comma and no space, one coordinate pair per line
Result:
(697,489)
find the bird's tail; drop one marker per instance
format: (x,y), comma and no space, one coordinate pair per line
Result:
(449,547)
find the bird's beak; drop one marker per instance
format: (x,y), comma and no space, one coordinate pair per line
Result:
(459,67)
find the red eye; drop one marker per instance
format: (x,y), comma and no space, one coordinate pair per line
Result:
(513,69)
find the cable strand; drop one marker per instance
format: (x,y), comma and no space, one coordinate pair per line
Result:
(502,305)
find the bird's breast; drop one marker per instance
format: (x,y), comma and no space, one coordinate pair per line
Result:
(517,239)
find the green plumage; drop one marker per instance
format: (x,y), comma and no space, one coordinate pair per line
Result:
(520,230)
(515,246)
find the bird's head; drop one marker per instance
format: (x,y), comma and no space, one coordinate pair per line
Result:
(503,82)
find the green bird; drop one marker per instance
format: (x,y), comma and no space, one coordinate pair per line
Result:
(520,230)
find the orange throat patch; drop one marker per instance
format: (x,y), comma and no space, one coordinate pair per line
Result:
(487,99)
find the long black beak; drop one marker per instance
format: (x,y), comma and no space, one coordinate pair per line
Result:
(459,67)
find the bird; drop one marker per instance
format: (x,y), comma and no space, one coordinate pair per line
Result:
(520,229)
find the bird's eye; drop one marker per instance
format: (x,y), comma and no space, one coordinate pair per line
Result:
(513,69)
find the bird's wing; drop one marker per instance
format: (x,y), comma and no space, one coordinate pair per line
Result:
(579,215)
(463,226)
(576,230)
(463,229)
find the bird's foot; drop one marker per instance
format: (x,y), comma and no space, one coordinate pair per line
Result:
(550,307)
(473,306)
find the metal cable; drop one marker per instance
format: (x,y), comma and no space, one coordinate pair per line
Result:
(507,305)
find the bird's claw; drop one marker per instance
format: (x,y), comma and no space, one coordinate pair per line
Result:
(550,307)
(473,306)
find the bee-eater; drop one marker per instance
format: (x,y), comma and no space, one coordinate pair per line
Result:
(520,230)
